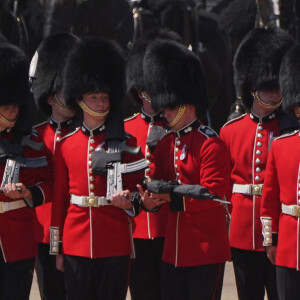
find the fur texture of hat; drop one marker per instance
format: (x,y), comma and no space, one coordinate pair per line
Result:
(257,61)
(96,65)
(51,57)
(289,78)
(173,76)
(14,85)
(134,66)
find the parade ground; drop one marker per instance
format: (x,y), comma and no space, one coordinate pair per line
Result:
(228,293)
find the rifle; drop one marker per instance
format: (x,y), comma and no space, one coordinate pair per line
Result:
(14,160)
(13,166)
(109,162)
(184,190)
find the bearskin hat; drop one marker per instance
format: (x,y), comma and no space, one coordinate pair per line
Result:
(14,85)
(257,61)
(289,78)
(95,65)
(174,75)
(48,66)
(134,67)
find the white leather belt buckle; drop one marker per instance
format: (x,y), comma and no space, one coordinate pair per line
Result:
(89,201)
(248,189)
(292,210)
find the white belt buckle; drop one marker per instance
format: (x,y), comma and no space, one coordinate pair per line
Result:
(296,211)
(256,189)
(91,201)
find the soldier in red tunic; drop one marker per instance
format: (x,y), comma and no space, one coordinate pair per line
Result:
(280,206)
(47,68)
(88,225)
(256,66)
(26,169)
(196,242)
(147,127)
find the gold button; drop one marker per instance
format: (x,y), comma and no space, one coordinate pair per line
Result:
(91,178)
(92,148)
(92,141)
(92,186)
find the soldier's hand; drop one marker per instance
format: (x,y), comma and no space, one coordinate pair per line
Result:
(122,199)
(150,201)
(16,191)
(271,253)
(60,262)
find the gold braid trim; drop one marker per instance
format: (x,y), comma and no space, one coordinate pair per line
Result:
(91,112)
(256,96)
(8,122)
(180,113)
(59,104)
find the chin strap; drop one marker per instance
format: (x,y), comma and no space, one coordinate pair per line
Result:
(8,122)
(59,104)
(146,97)
(180,113)
(91,112)
(266,105)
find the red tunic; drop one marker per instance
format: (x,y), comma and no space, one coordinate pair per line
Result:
(92,232)
(147,225)
(282,185)
(16,226)
(198,234)
(50,132)
(248,138)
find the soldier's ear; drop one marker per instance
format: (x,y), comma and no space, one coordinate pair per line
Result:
(50,100)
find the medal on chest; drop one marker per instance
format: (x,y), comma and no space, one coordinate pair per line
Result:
(183,152)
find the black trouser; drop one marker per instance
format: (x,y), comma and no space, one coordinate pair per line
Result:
(16,279)
(253,274)
(99,278)
(288,283)
(192,283)
(145,269)
(51,281)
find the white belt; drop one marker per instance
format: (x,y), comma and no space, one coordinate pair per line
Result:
(248,189)
(292,210)
(87,201)
(7,206)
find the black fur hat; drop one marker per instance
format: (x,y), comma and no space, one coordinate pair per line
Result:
(14,85)
(134,67)
(47,67)
(257,61)
(96,65)
(173,76)
(289,78)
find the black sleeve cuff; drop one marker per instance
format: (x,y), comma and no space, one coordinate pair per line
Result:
(37,197)
(274,239)
(177,203)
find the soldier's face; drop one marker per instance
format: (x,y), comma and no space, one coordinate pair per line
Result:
(270,96)
(170,114)
(98,102)
(9,112)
